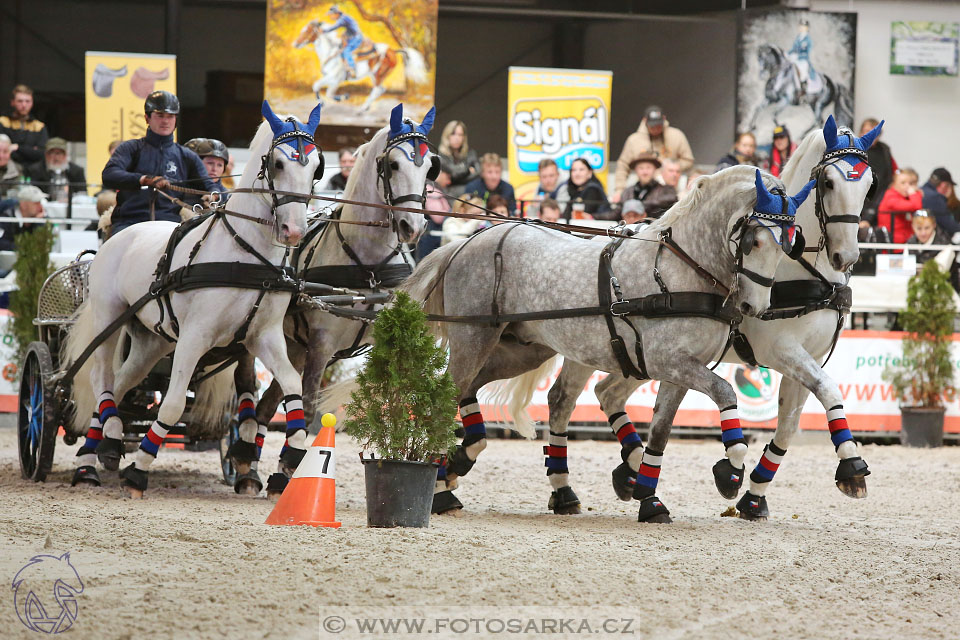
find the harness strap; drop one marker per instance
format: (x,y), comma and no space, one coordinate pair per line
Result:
(372,270)
(606,281)
(498,274)
(667,239)
(351,277)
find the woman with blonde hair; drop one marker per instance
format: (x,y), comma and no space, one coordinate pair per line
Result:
(459,228)
(458,159)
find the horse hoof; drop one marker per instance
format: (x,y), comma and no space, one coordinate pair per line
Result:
(653,511)
(445,502)
(109,452)
(276,483)
(728,478)
(248,484)
(855,487)
(132,492)
(624,480)
(564,501)
(86,476)
(752,507)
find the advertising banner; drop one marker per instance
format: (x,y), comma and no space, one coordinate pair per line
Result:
(116,86)
(562,114)
(924,48)
(857,366)
(360,58)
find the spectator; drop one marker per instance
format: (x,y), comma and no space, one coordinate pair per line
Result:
(656,197)
(429,241)
(882,164)
(113,146)
(28,134)
(744,152)
(783,148)
(670,173)
(935,193)
(457,158)
(497,204)
(925,232)
(489,182)
(547,188)
(459,228)
(549,210)
(215,157)
(898,204)
(656,136)
(585,196)
(56,175)
(348,158)
(134,163)
(29,204)
(633,212)
(10,171)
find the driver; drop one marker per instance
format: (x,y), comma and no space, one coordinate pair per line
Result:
(138,168)
(352,34)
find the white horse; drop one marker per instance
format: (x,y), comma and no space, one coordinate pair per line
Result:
(200,319)
(795,346)
(519,268)
(392,169)
(375,65)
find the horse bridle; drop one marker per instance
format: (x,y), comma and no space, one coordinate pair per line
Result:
(305,144)
(384,172)
(819,173)
(793,247)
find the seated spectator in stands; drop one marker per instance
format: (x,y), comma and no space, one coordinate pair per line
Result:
(632,212)
(783,148)
(653,136)
(498,205)
(549,210)
(670,173)
(10,171)
(458,159)
(489,182)
(898,204)
(656,197)
(29,203)
(459,228)
(28,134)
(56,175)
(744,152)
(925,231)
(881,160)
(549,174)
(347,159)
(935,193)
(586,199)
(429,241)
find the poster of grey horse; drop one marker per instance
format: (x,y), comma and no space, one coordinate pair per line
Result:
(794,68)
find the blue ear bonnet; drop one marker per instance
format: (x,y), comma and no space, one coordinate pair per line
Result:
(776,212)
(405,130)
(289,132)
(852,165)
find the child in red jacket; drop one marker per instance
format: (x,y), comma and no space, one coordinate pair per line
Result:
(898,204)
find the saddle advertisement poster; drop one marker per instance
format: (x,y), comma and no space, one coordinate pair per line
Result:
(562,114)
(116,86)
(857,365)
(924,48)
(794,68)
(358,57)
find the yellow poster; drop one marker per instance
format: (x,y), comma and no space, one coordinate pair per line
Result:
(116,86)
(360,57)
(562,114)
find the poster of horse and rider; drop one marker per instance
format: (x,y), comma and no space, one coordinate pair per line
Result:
(358,57)
(794,69)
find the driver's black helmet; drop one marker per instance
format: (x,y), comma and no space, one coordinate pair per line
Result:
(162,101)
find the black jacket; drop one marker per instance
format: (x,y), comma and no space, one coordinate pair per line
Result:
(656,197)
(30,134)
(337,183)
(881,162)
(936,204)
(152,155)
(43,178)
(459,169)
(593,197)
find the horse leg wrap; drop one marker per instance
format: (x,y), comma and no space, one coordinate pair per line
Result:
(651,509)
(242,452)
(443,498)
(261,434)
(753,507)
(110,448)
(631,445)
(769,463)
(133,477)
(150,445)
(564,501)
(247,416)
(731,434)
(556,461)
(87,454)
(474,438)
(649,475)
(296,445)
(277,482)
(851,468)
(86,473)
(840,432)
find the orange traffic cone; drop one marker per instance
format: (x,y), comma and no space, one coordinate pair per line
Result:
(311,495)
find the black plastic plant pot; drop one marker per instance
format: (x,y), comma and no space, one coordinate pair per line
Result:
(921,426)
(399,492)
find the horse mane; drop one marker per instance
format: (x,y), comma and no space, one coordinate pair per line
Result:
(812,143)
(705,186)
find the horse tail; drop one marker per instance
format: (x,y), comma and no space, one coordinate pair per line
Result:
(214,404)
(425,284)
(414,66)
(517,393)
(332,397)
(81,334)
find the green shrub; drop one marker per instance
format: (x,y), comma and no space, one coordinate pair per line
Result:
(926,369)
(32,266)
(405,407)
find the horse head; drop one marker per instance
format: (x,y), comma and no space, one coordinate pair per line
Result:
(308,34)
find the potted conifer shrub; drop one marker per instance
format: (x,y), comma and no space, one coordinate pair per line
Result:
(404,410)
(925,370)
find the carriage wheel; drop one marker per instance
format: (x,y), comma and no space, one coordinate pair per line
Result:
(37,422)
(226,464)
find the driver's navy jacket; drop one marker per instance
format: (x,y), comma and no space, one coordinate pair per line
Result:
(152,155)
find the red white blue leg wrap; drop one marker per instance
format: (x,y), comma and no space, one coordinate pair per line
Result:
(769,463)
(837,422)
(731,433)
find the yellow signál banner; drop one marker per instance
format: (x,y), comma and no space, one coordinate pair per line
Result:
(116,86)
(360,58)
(562,114)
